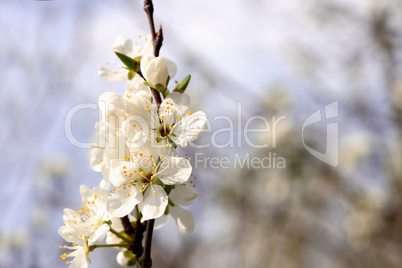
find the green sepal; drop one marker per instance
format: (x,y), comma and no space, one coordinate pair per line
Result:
(160,87)
(131,74)
(129,62)
(181,87)
(166,210)
(129,255)
(148,84)
(168,189)
(158,139)
(132,262)
(157,181)
(165,93)
(170,203)
(171,142)
(138,59)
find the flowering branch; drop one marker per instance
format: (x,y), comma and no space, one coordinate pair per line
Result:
(138,186)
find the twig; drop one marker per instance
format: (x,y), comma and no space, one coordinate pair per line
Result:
(157,39)
(136,234)
(145,260)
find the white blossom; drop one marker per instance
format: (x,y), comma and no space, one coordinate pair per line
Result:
(140,182)
(169,123)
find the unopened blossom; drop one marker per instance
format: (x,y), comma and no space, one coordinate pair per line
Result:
(181,195)
(126,258)
(140,181)
(157,70)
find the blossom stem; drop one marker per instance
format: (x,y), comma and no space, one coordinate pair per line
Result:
(137,213)
(157,39)
(113,231)
(145,260)
(108,246)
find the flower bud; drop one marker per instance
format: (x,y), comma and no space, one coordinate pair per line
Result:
(155,70)
(126,258)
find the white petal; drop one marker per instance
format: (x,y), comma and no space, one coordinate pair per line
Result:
(86,193)
(110,75)
(105,174)
(155,71)
(184,219)
(145,62)
(178,172)
(180,100)
(153,205)
(70,235)
(80,260)
(119,204)
(105,184)
(99,234)
(116,172)
(183,195)
(123,45)
(137,86)
(145,50)
(171,66)
(112,106)
(96,157)
(160,222)
(189,128)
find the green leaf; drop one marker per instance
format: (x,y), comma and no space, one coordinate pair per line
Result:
(129,62)
(181,87)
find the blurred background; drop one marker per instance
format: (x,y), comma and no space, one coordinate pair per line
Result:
(273,58)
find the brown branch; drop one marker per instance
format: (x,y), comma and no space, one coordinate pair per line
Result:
(136,234)
(157,39)
(145,260)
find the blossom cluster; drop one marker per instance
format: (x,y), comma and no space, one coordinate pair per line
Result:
(143,176)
